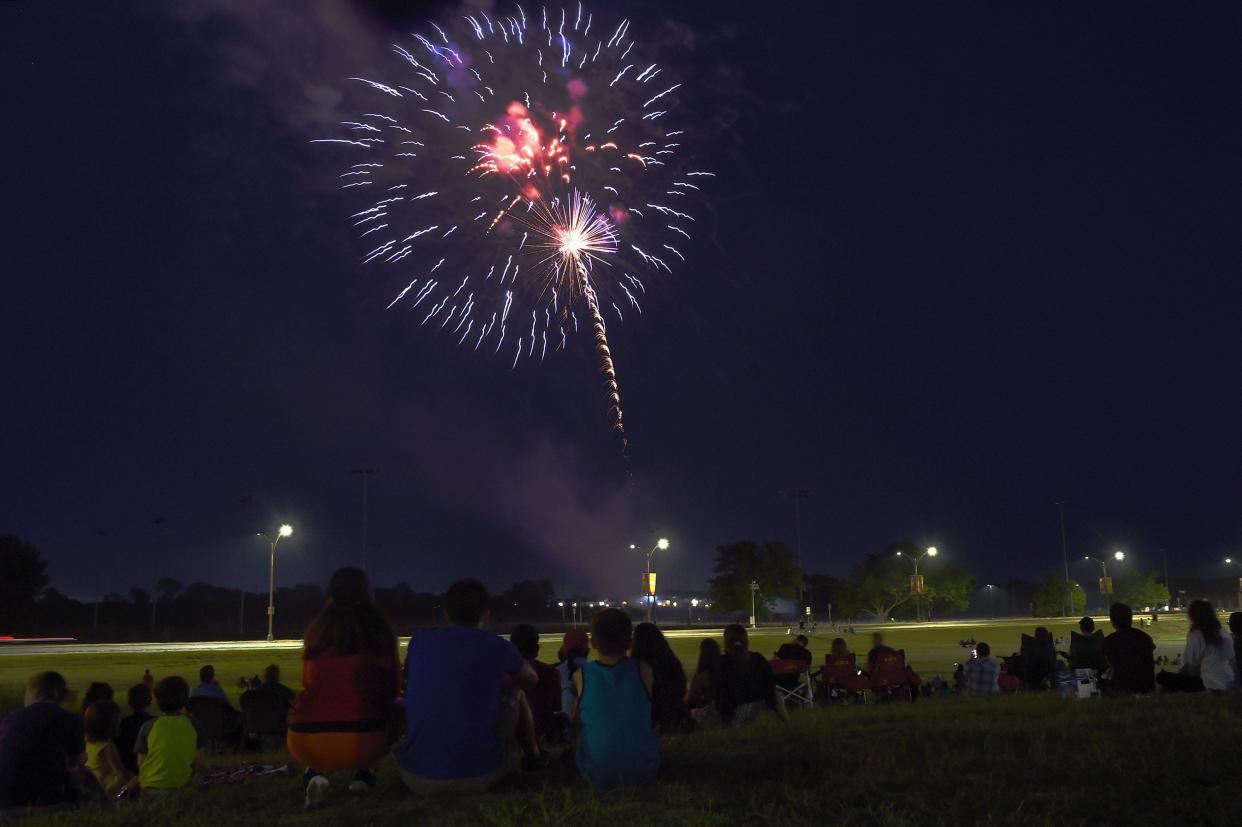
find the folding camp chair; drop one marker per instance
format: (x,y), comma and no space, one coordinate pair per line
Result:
(793,681)
(839,679)
(218,721)
(889,677)
(263,717)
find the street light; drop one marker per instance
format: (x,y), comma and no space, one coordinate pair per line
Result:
(694,604)
(1229,561)
(661,545)
(1106,585)
(754,587)
(991,601)
(561,603)
(916,583)
(284,531)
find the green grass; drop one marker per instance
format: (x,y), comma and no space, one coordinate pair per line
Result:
(930,648)
(1027,759)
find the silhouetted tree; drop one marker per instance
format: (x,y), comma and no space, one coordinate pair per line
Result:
(23,575)
(772,565)
(1049,597)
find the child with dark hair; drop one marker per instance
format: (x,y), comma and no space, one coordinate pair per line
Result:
(668,693)
(463,701)
(169,747)
(701,696)
(103,723)
(544,698)
(40,748)
(97,691)
(139,699)
(616,744)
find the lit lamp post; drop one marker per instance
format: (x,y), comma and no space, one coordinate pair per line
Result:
(754,587)
(1106,582)
(561,603)
(649,580)
(693,604)
(916,582)
(991,602)
(284,531)
(1229,561)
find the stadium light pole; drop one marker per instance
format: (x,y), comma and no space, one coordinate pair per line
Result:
(931,551)
(1068,605)
(284,531)
(754,587)
(661,545)
(366,474)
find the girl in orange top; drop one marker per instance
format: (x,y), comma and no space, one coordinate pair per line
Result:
(351,676)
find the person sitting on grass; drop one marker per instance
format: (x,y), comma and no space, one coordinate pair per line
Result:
(208,687)
(139,699)
(346,716)
(744,688)
(1235,629)
(463,700)
(1208,662)
(544,698)
(271,684)
(97,691)
(169,747)
(701,694)
(1129,654)
(616,744)
(575,647)
(40,749)
(668,694)
(103,724)
(980,674)
(1087,649)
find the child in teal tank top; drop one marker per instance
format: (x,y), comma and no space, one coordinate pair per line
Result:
(615,742)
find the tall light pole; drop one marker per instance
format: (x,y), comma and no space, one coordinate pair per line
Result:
(991,601)
(1104,581)
(754,587)
(284,531)
(1068,605)
(366,474)
(1229,561)
(690,607)
(661,545)
(918,600)
(797,494)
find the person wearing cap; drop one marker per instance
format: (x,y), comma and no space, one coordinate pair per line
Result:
(42,746)
(575,647)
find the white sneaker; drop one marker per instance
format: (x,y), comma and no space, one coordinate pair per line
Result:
(316,789)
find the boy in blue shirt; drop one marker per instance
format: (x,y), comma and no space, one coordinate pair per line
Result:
(615,742)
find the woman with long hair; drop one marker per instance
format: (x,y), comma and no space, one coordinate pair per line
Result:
(701,695)
(345,718)
(668,691)
(744,688)
(1208,661)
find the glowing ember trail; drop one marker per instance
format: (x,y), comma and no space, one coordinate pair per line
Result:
(515,169)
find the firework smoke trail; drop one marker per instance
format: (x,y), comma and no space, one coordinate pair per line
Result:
(516,168)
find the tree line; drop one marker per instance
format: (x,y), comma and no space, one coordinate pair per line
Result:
(880,586)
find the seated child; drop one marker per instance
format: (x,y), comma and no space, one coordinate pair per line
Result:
(103,723)
(139,700)
(169,747)
(615,741)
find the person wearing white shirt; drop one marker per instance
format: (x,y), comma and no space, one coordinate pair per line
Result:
(1208,661)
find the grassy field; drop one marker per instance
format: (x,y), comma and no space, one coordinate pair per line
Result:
(1025,759)
(930,648)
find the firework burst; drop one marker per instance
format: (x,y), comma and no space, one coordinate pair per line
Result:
(516,170)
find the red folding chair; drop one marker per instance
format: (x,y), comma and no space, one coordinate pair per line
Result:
(793,681)
(839,679)
(889,677)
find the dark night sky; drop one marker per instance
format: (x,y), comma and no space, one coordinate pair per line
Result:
(964,261)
